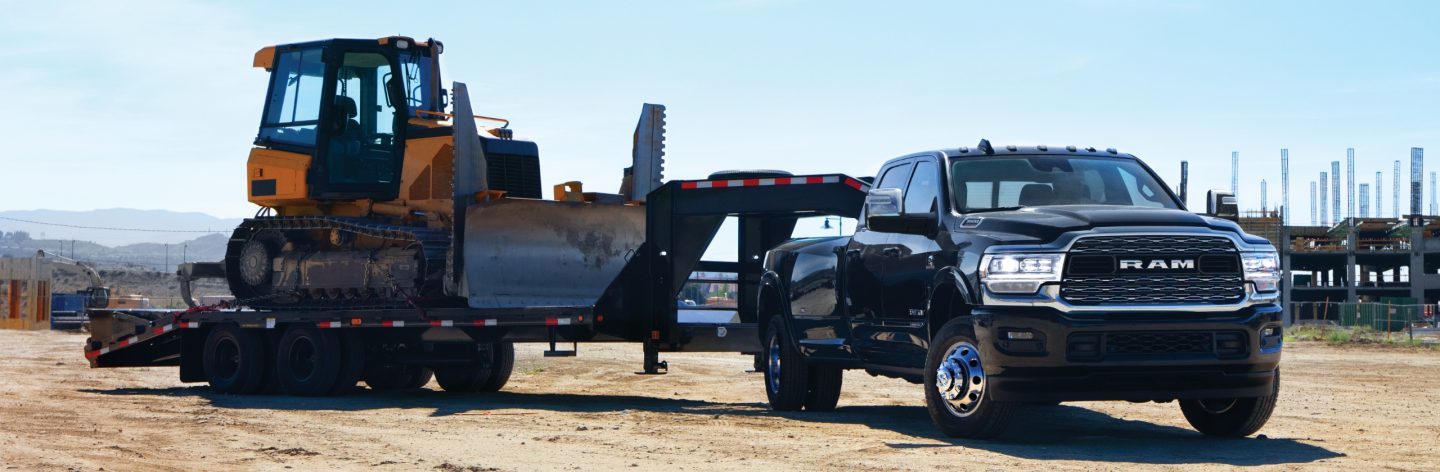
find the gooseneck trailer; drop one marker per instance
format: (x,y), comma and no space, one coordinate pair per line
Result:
(327,351)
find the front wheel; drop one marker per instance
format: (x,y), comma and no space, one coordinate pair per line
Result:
(956,392)
(1231,417)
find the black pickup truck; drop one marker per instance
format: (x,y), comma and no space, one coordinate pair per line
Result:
(1002,278)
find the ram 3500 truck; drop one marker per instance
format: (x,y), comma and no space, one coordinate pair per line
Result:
(1015,276)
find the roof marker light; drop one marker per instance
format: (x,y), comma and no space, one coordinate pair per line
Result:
(1070,148)
(1111,150)
(1090,149)
(985,146)
(1042,148)
(1010,148)
(964,150)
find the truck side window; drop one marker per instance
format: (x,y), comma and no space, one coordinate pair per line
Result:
(896,176)
(920,195)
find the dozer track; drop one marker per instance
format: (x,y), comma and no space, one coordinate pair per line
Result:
(426,289)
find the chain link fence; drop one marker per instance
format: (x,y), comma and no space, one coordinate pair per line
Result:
(1374,321)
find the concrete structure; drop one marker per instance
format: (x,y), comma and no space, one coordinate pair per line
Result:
(25,293)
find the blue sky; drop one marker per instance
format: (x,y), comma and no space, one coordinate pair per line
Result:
(155,105)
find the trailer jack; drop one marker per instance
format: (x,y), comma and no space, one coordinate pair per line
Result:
(574,347)
(653,364)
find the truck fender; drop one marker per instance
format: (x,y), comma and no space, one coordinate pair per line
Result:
(938,310)
(770,284)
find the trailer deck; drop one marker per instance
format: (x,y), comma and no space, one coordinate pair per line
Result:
(681,218)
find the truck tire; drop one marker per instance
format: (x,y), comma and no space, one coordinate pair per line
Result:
(352,363)
(308,360)
(472,376)
(955,393)
(825,383)
(234,360)
(1231,417)
(787,379)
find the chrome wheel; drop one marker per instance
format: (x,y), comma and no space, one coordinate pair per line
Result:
(960,379)
(1217,405)
(772,366)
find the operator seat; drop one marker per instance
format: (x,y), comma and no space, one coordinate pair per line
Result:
(1037,195)
(343,158)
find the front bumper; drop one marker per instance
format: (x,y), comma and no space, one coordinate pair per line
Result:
(1128,355)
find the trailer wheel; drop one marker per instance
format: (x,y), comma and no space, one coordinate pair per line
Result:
(308,360)
(955,389)
(352,366)
(390,376)
(787,379)
(482,375)
(1231,417)
(234,360)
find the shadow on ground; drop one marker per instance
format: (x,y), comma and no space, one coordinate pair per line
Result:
(1041,433)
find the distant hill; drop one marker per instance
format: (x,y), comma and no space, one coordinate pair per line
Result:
(60,225)
(157,257)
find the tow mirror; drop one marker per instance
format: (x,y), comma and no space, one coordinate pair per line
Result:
(883,202)
(885,213)
(1222,204)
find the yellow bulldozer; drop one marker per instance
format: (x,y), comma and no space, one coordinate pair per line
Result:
(374,195)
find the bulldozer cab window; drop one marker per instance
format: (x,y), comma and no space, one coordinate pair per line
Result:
(416,69)
(292,112)
(361,128)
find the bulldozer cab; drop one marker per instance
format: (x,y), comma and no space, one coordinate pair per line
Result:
(345,103)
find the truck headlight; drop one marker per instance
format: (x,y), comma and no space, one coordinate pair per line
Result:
(1262,269)
(1020,273)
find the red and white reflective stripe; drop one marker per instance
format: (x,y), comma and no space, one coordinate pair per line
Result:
(557,321)
(442,323)
(486,322)
(128,341)
(393,324)
(189,324)
(798,180)
(163,329)
(97,353)
(331,324)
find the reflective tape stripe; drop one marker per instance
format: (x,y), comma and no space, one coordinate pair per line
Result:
(269,323)
(393,324)
(765,182)
(486,322)
(331,324)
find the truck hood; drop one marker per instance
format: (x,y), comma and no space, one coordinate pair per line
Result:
(1046,222)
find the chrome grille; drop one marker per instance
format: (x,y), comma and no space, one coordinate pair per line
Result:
(1216,280)
(1158,289)
(1164,245)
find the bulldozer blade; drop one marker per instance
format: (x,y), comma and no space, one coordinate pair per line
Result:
(526,253)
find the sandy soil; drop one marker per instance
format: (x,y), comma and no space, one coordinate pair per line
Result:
(1340,409)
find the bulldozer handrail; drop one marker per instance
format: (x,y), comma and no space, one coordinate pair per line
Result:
(506,122)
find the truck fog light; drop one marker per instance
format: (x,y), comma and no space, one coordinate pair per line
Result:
(1021,335)
(1269,331)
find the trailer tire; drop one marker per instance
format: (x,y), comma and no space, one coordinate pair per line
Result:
(308,360)
(787,379)
(1233,417)
(352,366)
(482,375)
(234,360)
(389,376)
(825,383)
(958,401)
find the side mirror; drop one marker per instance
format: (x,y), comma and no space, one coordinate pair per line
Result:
(885,213)
(1222,204)
(883,202)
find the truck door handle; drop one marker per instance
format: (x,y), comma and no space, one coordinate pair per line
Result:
(890,252)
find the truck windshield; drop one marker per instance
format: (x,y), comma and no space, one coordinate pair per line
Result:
(999,183)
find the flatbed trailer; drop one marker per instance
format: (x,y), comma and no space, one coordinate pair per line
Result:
(640,305)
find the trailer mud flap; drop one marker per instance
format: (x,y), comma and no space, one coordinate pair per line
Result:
(525,253)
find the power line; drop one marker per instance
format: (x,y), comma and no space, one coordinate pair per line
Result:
(143,230)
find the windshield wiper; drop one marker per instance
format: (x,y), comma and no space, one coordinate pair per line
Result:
(987,210)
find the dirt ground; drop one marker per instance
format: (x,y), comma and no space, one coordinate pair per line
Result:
(1351,409)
